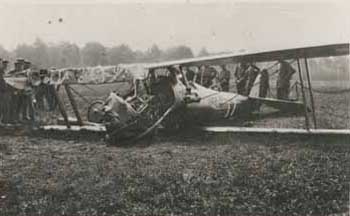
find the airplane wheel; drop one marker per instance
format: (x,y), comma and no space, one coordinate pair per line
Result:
(94,112)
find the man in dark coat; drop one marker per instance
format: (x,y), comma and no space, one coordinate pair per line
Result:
(241,76)
(264,83)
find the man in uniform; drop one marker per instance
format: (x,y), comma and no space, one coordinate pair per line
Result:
(283,81)
(224,78)
(16,103)
(42,90)
(241,77)
(264,83)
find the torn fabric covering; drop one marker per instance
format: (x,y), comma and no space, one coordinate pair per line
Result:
(99,74)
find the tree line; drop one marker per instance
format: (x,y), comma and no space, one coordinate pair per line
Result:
(66,54)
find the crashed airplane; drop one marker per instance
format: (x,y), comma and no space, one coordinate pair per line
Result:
(160,94)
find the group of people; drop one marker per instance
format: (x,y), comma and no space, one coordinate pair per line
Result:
(245,74)
(15,101)
(209,77)
(22,90)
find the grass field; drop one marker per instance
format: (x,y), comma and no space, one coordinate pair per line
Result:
(201,175)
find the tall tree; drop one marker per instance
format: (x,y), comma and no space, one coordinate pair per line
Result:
(153,54)
(70,55)
(40,57)
(121,54)
(54,53)
(178,52)
(93,53)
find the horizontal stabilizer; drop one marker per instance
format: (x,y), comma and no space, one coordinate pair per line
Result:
(283,105)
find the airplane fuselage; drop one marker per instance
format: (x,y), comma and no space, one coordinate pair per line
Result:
(212,106)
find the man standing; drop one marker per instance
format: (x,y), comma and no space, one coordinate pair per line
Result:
(241,77)
(264,83)
(252,72)
(16,102)
(209,76)
(224,78)
(283,81)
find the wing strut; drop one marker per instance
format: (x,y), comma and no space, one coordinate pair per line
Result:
(303,94)
(310,92)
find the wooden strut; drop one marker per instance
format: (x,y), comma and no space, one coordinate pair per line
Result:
(74,104)
(310,92)
(61,108)
(303,94)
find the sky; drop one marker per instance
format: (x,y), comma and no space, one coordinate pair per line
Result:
(220,26)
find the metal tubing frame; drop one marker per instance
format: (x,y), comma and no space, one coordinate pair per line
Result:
(310,92)
(303,94)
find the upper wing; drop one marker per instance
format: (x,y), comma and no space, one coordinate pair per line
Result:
(261,56)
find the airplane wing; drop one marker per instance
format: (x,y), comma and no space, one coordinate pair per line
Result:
(340,49)
(261,56)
